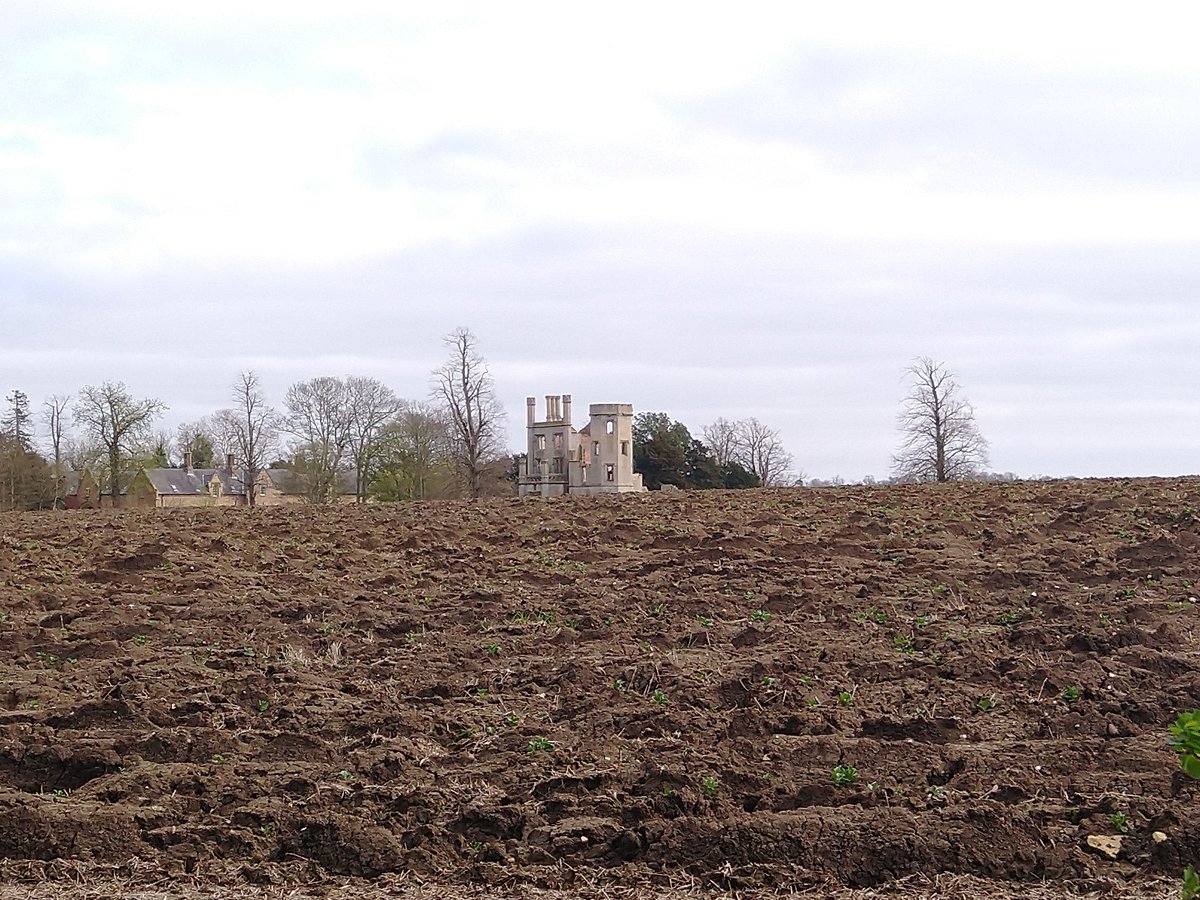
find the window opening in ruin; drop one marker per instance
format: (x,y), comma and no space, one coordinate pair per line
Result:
(610,426)
(595,448)
(610,472)
(558,440)
(624,448)
(541,442)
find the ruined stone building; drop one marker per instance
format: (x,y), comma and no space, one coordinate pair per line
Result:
(597,459)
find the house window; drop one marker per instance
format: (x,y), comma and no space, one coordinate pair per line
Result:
(624,448)
(610,427)
(610,472)
(541,442)
(595,448)
(558,440)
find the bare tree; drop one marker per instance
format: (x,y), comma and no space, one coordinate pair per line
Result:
(370,405)
(464,387)
(761,451)
(250,430)
(939,438)
(723,441)
(318,417)
(755,447)
(118,423)
(52,416)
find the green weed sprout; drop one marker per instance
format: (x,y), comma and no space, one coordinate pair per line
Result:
(1191,884)
(844,775)
(1185,738)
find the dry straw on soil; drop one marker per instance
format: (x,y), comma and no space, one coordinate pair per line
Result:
(139,880)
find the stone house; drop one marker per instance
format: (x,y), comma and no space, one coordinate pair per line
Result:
(191,487)
(597,459)
(186,486)
(282,487)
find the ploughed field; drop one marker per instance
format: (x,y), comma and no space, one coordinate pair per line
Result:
(759,689)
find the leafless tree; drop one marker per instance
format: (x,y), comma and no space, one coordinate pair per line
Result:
(318,417)
(112,419)
(52,416)
(370,406)
(464,388)
(752,445)
(249,430)
(723,441)
(761,451)
(939,438)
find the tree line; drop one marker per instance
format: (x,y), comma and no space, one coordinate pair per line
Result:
(354,434)
(335,434)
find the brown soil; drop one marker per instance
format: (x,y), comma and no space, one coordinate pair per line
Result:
(649,690)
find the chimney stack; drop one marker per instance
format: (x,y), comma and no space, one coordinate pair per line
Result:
(530,410)
(187,461)
(229,464)
(566,408)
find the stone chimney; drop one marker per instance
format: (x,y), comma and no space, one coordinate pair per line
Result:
(187,461)
(530,410)
(566,408)
(229,464)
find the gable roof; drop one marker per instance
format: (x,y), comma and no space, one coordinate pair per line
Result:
(195,481)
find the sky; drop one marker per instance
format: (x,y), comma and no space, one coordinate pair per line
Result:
(761,209)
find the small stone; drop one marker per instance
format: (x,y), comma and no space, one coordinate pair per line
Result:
(1113,730)
(1108,845)
(1158,837)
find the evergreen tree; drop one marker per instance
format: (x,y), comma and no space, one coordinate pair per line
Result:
(16,421)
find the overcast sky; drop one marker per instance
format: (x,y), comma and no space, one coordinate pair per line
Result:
(763,209)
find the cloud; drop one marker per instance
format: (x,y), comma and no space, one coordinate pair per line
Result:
(769,213)
(958,125)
